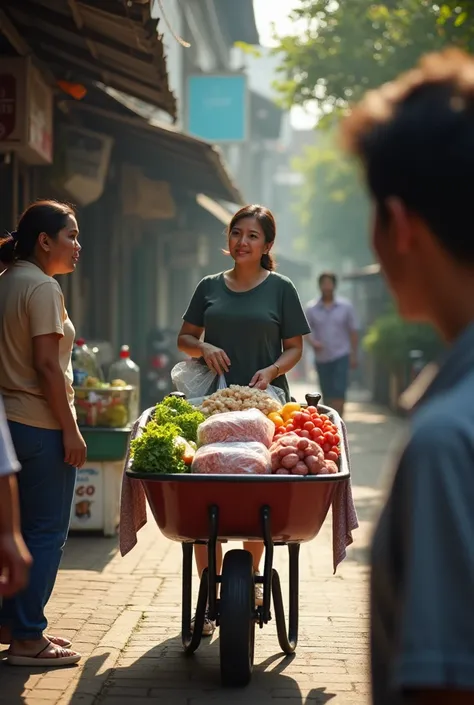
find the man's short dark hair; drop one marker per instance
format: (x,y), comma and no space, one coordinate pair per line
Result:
(327,275)
(415,138)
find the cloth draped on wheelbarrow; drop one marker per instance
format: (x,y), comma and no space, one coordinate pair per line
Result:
(133,511)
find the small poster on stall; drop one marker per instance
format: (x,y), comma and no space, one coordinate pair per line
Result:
(88,504)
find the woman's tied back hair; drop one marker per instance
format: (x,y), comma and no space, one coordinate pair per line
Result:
(41,217)
(415,139)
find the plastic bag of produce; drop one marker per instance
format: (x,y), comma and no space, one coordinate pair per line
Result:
(237,426)
(232,459)
(194,379)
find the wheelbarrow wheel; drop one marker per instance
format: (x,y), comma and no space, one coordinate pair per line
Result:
(237,619)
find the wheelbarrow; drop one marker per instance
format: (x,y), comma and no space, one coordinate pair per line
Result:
(280,510)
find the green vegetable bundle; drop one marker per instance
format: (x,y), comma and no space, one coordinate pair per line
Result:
(181,413)
(156,450)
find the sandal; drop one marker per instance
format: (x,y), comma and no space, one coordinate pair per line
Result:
(258,592)
(61,657)
(208,628)
(57,640)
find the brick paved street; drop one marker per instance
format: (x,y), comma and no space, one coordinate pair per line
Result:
(124,615)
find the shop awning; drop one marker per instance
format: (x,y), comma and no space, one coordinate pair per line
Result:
(159,149)
(112,42)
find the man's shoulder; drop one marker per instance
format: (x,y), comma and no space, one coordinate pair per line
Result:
(311,304)
(343,301)
(446,423)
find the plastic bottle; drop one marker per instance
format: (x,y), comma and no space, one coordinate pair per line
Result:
(84,364)
(127,371)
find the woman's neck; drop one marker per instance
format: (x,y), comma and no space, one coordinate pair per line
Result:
(245,278)
(246,274)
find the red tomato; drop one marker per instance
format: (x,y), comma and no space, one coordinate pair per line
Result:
(297,418)
(318,422)
(316,434)
(289,428)
(324,417)
(304,434)
(305,417)
(326,447)
(332,456)
(335,449)
(329,438)
(312,410)
(298,432)
(309,426)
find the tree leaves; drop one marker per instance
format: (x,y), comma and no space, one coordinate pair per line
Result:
(348,47)
(333,207)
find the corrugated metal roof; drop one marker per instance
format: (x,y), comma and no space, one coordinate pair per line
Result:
(98,40)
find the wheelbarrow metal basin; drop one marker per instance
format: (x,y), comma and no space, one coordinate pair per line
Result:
(299,505)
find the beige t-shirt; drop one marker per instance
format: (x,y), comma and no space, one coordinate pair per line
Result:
(31,304)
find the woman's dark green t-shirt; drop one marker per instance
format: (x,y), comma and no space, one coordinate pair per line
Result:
(250,325)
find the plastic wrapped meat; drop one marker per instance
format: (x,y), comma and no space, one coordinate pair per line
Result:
(236,427)
(232,459)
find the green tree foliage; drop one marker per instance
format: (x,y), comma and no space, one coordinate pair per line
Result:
(333,208)
(340,49)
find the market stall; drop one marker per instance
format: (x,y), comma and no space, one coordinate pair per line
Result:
(105,414)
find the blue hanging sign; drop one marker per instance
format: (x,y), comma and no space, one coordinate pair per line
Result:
(218,107)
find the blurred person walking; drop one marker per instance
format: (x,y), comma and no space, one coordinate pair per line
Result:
(15,559)
(36,338)
(334,339)
(415,139)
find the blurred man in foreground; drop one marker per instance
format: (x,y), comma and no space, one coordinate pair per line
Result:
(334,340)
(415,139)
(14,556)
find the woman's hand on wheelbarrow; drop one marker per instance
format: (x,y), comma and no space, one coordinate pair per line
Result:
(263,378)
(215,358)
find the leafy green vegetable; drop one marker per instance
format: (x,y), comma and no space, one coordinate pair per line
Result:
(178,411)
(164,414)
(156,450)
(178,404)
(188,423)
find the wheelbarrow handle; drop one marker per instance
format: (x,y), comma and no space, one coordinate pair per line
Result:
(313,399)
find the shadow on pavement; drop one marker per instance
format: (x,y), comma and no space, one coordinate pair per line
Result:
(164,673)
(84,552)
(13,680)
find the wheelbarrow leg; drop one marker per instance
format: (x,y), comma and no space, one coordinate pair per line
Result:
(288,641)
(192,638)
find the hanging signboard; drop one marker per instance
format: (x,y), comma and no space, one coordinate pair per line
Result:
(26,111)
(82,163)
(218,107)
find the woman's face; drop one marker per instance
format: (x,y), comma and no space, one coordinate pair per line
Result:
(62,253)
(247,242)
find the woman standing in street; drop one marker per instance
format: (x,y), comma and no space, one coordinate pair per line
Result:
(253,325)
(36,338)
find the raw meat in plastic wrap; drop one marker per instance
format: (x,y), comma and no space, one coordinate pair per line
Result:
(232,459)
(235,427)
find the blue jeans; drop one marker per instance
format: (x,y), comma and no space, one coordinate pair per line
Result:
(334,378)
(46,487)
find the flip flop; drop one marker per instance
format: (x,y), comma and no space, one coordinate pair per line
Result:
(62,657)
(57,640)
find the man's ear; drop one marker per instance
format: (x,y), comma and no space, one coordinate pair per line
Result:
(401,224)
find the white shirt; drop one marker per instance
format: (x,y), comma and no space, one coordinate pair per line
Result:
(8,459)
